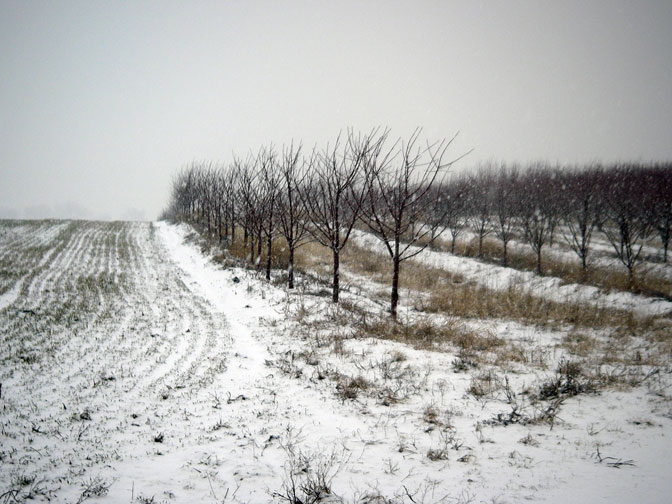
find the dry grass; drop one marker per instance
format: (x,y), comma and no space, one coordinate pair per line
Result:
(430,415)
(579,343)
(568,272)
(240,251)
(473,301)
(412,275)
(425,334)
(522,354)
(449,294)
(350,387)
(661,335)
(485,384)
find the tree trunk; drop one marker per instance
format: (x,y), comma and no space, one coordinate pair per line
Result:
(665,251)
(269,245)
(226,224)
(394,300)
(336,284)
(506,258)
(233,225)
(290,267)
(539,260)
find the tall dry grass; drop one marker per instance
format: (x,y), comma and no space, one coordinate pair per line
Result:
(426,334)
(569,272)
(478,302)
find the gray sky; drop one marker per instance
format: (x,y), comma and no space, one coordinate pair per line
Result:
(101,102)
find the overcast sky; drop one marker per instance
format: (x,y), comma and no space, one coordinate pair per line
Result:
(102,102)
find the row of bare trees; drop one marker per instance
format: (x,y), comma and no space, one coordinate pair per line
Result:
(400,192)
(393,188)
(628,203)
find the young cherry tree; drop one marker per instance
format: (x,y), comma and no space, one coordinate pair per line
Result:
(404,188)
(505,207)
(333,194)
(454,206)
(538,212)
(292,214)
(269,181)
(660,190)
(581,209)
(479,204)
(249,204)
(627,225)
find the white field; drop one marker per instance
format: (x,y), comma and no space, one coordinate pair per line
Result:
(131,362)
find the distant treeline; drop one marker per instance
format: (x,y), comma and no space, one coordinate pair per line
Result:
(405,194)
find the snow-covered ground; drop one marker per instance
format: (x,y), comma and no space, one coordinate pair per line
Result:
(132,362)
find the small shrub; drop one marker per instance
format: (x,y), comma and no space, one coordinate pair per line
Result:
(94,487)
(431,416)
(529,440)
(485,384)
(308,476)
(568,381)
(427,334)
(436,454)
(349,388)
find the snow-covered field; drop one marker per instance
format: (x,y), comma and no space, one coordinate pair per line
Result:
(135,369)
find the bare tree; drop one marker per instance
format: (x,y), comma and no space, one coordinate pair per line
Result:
(505,205)
(479,204)
(207,190)
(182,195)
(582,209)
(248,200)
(628,226)
(269,182)
(333,196)
(219,191)
(554,200)
(292,213)
(536,214)
(455,209)
(404,189)
(231,185)
(660,190)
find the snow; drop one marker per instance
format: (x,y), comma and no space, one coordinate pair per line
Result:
(238,375)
